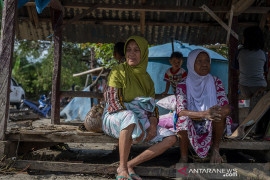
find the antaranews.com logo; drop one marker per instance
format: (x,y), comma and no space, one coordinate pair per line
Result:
(222,171)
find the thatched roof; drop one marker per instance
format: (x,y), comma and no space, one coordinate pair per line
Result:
(157,20)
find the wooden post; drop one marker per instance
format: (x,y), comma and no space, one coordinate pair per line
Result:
(233,75)
(142,19)
(57,20)
(6,55)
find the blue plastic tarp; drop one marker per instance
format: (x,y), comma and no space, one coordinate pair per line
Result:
(77,108)
(159,62)
(40,4)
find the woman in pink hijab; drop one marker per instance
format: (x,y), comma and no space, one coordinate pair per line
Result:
(202,109)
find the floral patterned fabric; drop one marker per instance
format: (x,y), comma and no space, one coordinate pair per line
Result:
(199,132)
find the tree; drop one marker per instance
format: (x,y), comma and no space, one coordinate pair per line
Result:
(103,53)
(33,66)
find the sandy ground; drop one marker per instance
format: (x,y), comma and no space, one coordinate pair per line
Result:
(52,177)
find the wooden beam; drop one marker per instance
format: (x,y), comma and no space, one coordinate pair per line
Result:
(241,6)
(93,94)
(142,19)
(6,56)
(263,21)
(230,25)
(89,71)
(60,137)
(233,74)
(81,94)
(57,56)
(108,169)
(248,145)
(142,22)
(56,4)
(29,11)
(213,15)
(115,7)
(147,23)
(79,16)
(35,16)
(63,136)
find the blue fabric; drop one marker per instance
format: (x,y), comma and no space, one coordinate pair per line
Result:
(40,4)
(77,108)
(137,112)
(22,2)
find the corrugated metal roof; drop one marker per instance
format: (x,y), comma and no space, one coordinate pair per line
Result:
(116,20)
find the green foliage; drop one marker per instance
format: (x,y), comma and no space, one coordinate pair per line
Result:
(220,49)
(34,69)
(103,53)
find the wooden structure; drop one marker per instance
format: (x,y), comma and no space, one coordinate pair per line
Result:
(193,21)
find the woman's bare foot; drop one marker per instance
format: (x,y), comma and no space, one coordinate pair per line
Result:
(215,157)
(133,175)
(122,173)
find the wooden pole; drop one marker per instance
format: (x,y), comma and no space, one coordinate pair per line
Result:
(6,55)
(56,22)
(233,75)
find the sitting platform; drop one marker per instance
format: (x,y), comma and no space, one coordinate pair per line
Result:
(71,133)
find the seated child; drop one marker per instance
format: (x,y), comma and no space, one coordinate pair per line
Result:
(174,74)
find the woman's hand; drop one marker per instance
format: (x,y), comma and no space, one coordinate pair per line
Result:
(152,130)
(164,93)
(151,133)
(140,138)
(214,113)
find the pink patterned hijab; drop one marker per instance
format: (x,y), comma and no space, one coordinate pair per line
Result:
(201,90)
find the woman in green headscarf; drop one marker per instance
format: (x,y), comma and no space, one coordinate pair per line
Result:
(131,114)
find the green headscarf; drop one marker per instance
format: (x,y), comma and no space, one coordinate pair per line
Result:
(133,80)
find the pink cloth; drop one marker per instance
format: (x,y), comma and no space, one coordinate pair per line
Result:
(166,121)
(200,143)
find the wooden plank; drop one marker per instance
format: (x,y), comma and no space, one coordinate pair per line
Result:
(142,22)
(242,5)
(35,16)
(89,137)
(6,56)
(245,144)
(29,11)
(263,21)
(90,168)
(81,94)
(255,115)
(60,137)
(79,16)
(95,94)
(233,75)
(136,23)
(213,15)
(191,9)
(230,25)
(142,19)
(88,71)
(57,56)
(56,4)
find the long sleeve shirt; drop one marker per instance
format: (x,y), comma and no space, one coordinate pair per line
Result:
(114,98)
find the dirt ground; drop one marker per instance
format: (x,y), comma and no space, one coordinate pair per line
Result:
(52,177)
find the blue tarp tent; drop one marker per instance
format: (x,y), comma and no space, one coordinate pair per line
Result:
(159,63)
